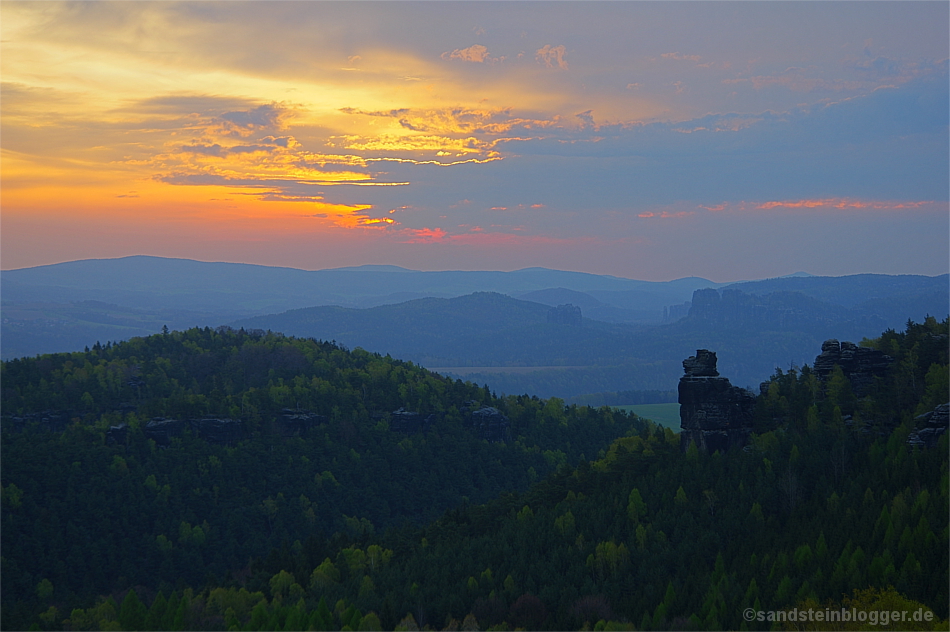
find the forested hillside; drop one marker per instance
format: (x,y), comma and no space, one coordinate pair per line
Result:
(828,507)
(480,329)
(92,504)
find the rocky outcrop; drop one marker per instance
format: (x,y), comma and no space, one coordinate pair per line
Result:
(703,364)
(295,422)
(117,434)
(566,315)
(930,426)
(714,414)
(673,313)
(212,430)
(402,420)
(162,431)
(490,424)
(859,364)
(45,421)
(486,422)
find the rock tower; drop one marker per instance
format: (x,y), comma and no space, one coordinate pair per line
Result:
(714,414)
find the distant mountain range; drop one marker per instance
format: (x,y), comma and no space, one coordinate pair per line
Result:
(492,327)
(67,306)
(149,282)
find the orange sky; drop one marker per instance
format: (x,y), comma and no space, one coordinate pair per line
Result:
(635,139)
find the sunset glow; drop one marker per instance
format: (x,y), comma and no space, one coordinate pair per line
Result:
(631,139)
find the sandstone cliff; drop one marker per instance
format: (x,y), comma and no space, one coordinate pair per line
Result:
(714,414)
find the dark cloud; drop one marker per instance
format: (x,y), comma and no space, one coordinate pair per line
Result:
(201,104)
(250,149)
(206,150)
(267,115)
(271,145)
(280,141)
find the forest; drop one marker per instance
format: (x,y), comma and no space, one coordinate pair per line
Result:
(583,518)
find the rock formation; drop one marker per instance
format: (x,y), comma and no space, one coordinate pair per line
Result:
(776,309)
(161,430)
(402,420)
(117,434)
(859,364)
(714,414)
(298,422)
(930,426)
(45,421)
(212,430)
(490,424)
(566,315)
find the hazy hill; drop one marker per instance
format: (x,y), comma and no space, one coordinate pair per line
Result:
(143,281)
(41,315)
(593,308)
(754,333)
(480,329)
(852,290)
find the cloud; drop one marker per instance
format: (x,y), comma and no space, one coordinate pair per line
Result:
(218,151)
(666,214)
(380,222)
(437,163)
(286,187)
(846,203)
(797,80)
(476,54)
(680,57)
(587,117)
(824,205)
(268,115)
(881,68)
(422,142)
(422,235)
(245,122)
(479,237)
(208,150)
(211,179)
(288,142)
(457,120)
(189,103)
(552,56)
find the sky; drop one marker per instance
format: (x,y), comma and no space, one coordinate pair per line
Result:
(726,140)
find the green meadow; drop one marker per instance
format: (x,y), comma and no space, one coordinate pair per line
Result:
(667,415)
